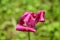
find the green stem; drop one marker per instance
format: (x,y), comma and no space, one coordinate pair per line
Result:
(28,35)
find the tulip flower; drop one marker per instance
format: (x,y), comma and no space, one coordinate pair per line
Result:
(28,21)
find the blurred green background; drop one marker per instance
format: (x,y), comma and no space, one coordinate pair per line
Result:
(11,10)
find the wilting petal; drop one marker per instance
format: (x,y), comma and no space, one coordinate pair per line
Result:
(24,28)
(40,16)
(42,13)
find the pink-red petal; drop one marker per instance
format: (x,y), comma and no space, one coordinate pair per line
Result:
(40,16)
(24,28)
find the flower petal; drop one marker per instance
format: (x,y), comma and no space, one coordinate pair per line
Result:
(23,28)
(42,13)
(23,17)
(27,18)
(40,16)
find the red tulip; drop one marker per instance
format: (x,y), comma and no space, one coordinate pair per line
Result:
(30,19)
